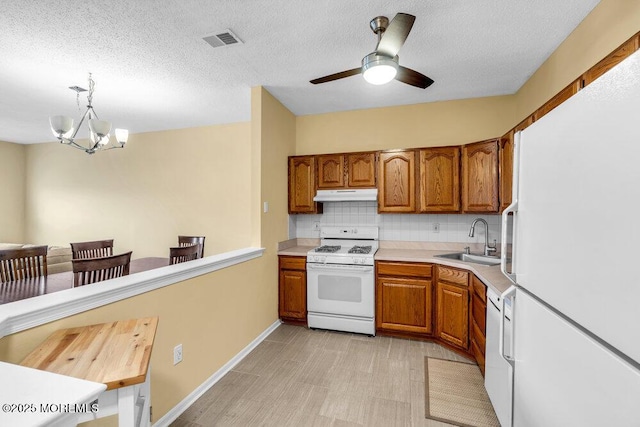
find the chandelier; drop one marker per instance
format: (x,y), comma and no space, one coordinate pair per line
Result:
(99,136)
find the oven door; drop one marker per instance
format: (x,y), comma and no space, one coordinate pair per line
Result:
(340,289)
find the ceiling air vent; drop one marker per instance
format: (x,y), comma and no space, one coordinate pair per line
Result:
(224,38)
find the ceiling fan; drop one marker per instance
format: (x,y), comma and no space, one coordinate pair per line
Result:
(381,66)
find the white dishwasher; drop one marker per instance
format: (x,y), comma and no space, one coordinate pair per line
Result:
(498,379)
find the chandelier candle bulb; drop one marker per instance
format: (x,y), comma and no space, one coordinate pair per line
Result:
(122,135)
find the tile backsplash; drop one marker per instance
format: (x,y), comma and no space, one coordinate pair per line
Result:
(406,227)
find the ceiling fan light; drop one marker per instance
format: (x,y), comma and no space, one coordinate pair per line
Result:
(379,70)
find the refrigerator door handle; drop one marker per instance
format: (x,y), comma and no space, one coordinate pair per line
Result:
(509,293)
(511,209)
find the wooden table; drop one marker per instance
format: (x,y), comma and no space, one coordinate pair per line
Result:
(28,288)
(116,354)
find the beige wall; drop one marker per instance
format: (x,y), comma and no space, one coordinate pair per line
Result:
(162,184)
(419,125)
(609,25)
(213,316)
(12,192)
(273,140)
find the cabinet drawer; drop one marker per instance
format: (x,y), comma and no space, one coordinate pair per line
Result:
(479,288)
(479,313)
(404,269)
(450,275)
(293,262)
(478,336)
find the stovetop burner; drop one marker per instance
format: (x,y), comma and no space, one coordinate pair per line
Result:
(328,249)
(360,250)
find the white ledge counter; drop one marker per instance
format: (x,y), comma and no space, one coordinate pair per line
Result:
(31,312)
(31,397)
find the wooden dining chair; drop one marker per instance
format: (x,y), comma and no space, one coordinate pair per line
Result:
(192,240)
(94,249)
(184,253)
(91,270)
(23,263)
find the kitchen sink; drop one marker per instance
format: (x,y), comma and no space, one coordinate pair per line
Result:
(478,259)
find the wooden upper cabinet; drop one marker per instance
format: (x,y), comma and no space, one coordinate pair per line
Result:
(558,99)
(361,170)
(302,185)
(397,181)
(352,170)
(506,170)
(611,60)
(330,171)
(439,179)
(480,186)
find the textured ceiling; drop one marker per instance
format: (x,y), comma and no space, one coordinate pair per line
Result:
(153,71)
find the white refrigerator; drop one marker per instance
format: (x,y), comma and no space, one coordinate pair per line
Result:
(575,233)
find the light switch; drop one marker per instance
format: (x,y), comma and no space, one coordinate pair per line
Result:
(265,207)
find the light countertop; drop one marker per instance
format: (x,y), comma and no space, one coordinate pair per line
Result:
(490,275)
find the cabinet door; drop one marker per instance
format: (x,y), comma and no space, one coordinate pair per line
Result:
(404,304)
(396,181)
(330,171)
(302,188)
(293,294)
(452,314)
(506,170)
(361,170)
(439,185)
(480,177)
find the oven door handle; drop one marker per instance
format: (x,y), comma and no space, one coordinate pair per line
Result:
(339,267)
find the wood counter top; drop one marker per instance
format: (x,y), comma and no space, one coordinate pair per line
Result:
(116,354)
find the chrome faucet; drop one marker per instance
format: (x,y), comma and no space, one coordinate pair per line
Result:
(488,250)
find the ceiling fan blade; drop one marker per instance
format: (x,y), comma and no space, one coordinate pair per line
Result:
(395,35)
(413,78)
(336,76)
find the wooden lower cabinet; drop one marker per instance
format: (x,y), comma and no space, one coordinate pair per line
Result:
(404,297)
(478,321)
(292,289)
(452,306)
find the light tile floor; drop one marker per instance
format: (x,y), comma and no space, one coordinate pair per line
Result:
(302,377)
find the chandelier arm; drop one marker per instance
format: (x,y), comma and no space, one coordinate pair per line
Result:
(112,147)
(84,116)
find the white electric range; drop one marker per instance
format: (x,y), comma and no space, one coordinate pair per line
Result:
(340,280)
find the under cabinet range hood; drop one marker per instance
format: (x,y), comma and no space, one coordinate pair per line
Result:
(361,195)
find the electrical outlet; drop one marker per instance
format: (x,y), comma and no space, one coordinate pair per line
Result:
(436,227)
(316,225)
(177,354)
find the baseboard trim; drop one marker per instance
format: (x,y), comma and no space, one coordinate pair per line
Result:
(177,410)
